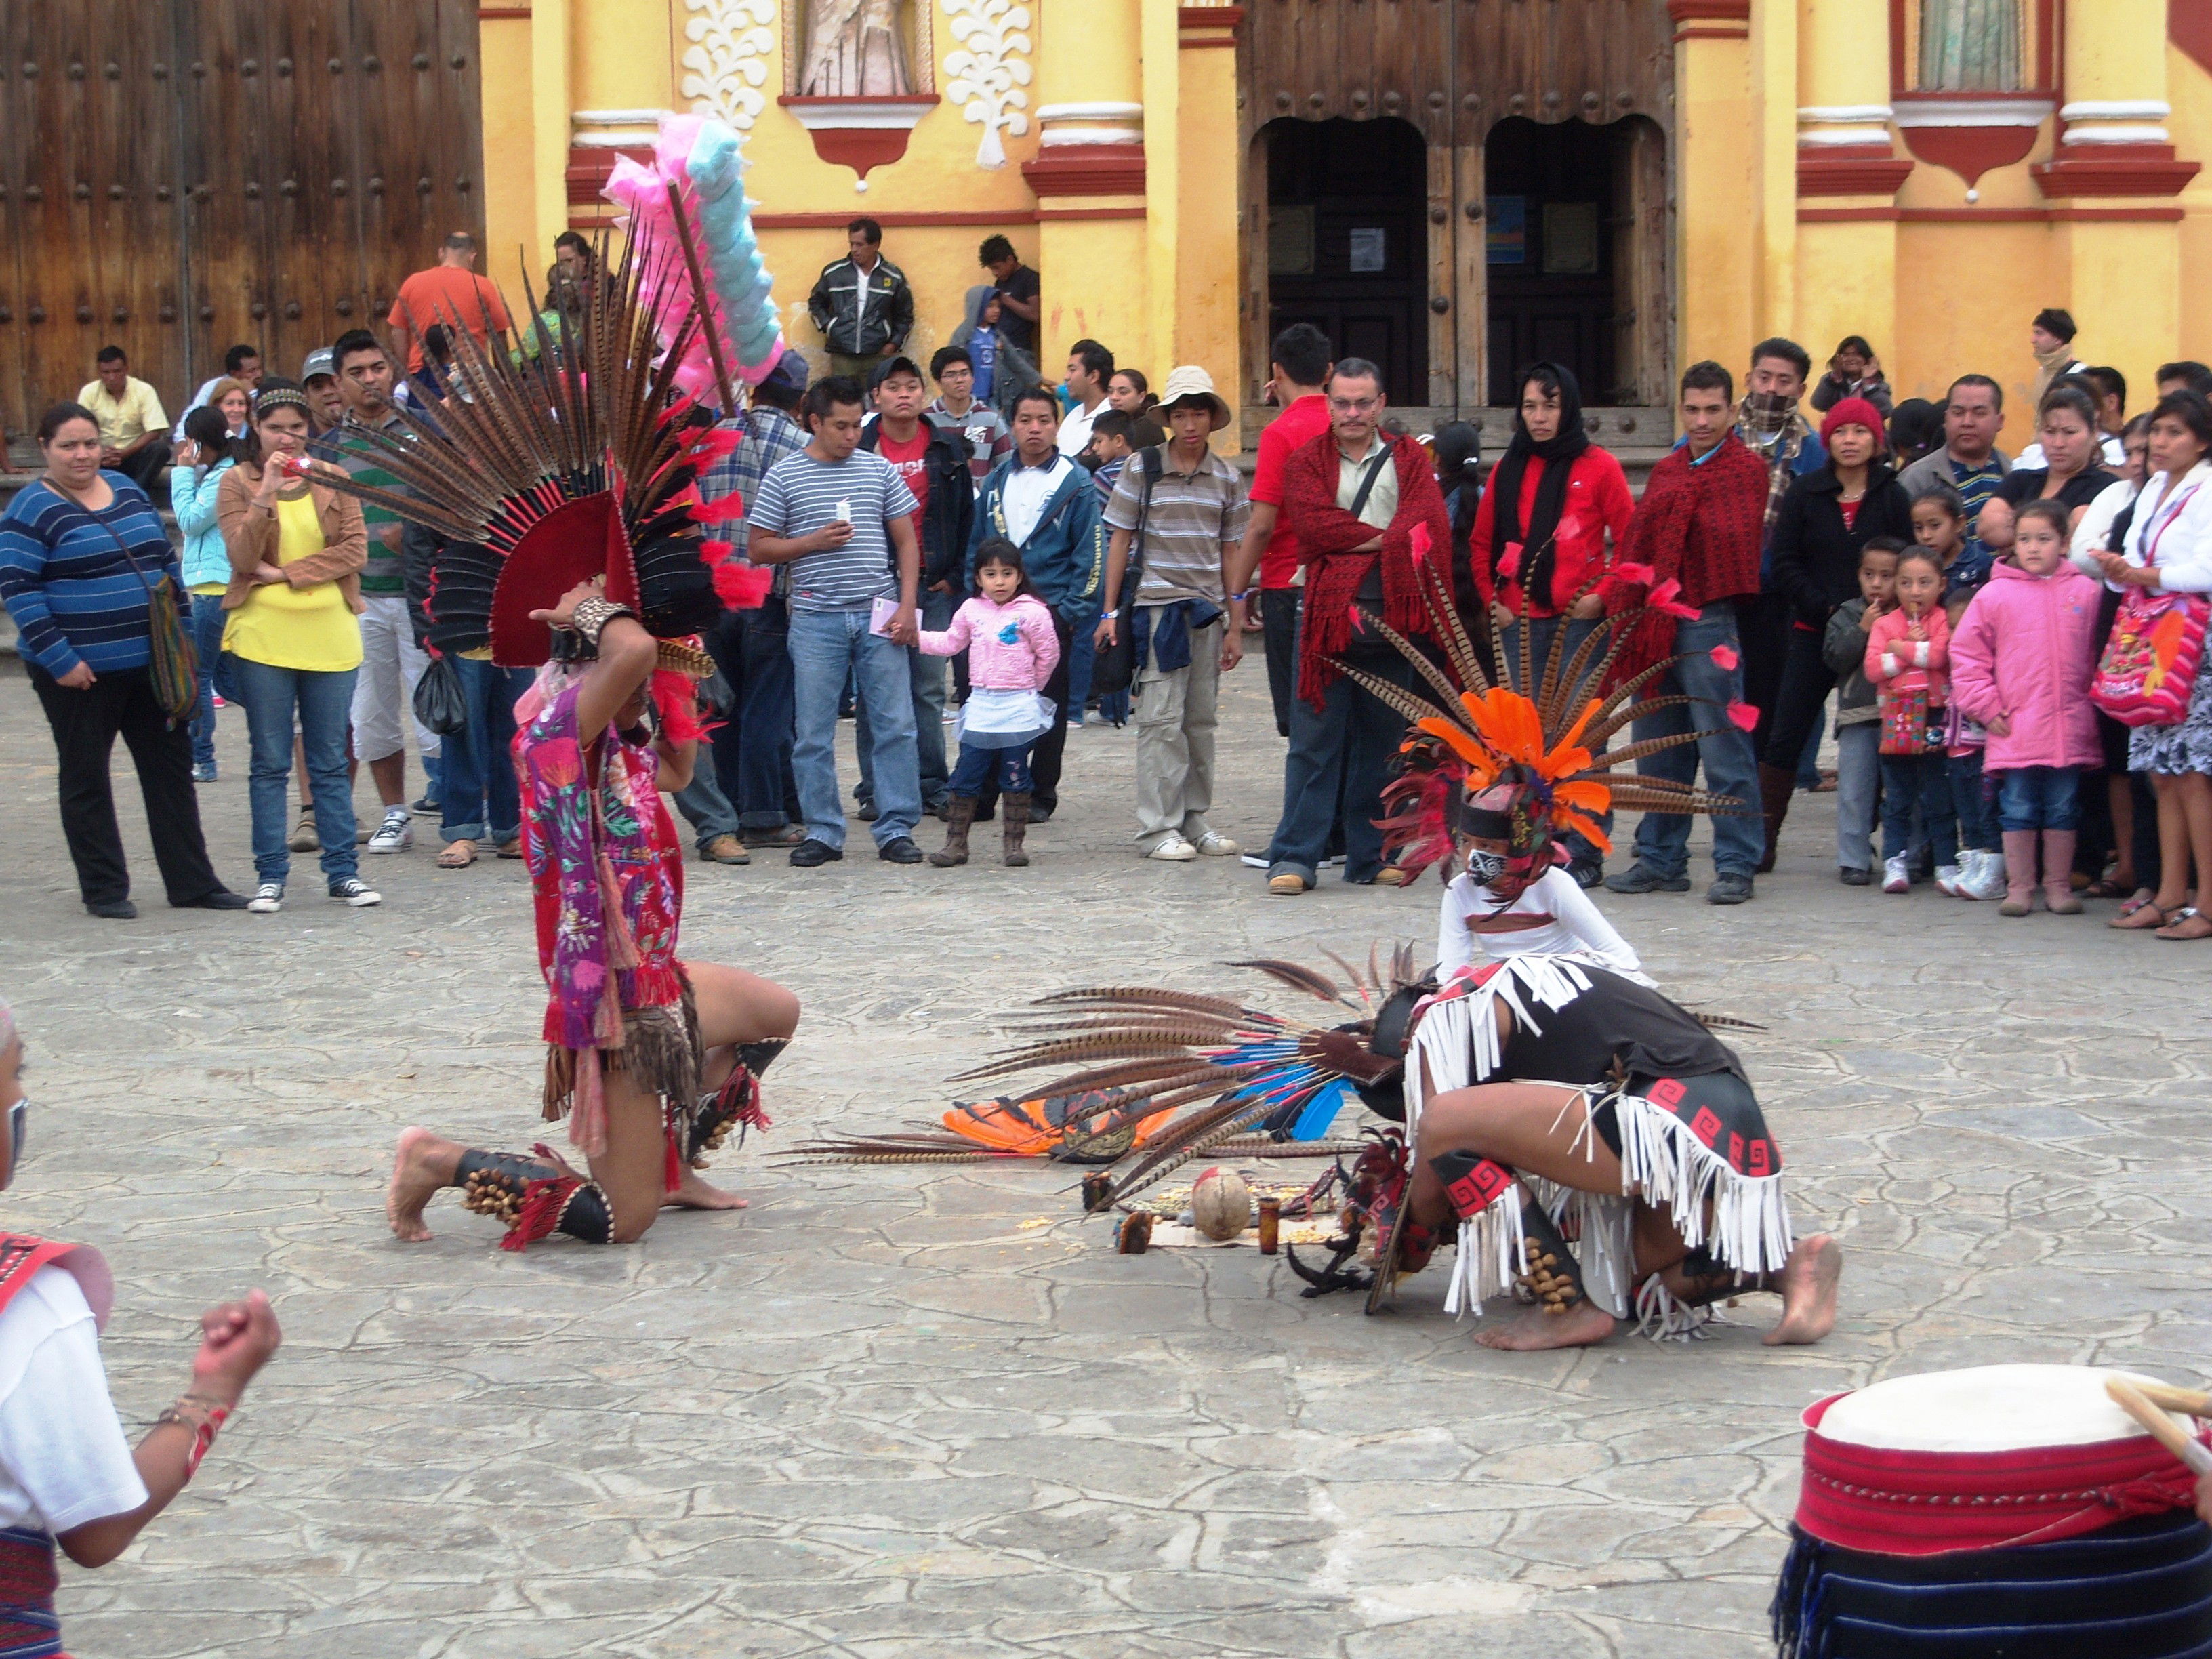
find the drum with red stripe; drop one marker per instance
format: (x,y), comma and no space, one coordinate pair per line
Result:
(2002,1512)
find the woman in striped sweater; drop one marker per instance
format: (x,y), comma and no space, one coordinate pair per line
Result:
(81,555)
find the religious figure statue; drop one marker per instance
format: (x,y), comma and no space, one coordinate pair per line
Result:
(854,49)
(1970,45)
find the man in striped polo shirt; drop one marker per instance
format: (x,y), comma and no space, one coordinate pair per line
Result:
(392,659)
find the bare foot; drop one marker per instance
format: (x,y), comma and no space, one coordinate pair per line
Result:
(415,1179)
(693,1193)
(1809,1291)
(1530,1330)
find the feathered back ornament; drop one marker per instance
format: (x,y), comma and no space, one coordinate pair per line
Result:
(1537,744)
(692,197)
(547,471)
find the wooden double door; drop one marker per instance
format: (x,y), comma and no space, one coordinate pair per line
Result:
(184,175)
(1460,187)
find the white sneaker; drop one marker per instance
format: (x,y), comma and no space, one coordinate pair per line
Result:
(354,892)
(1215,846)
(1174,850)
(1896,876)
(1988,881)
(1253,860)
(395,835)
(268,899)
(1947,879)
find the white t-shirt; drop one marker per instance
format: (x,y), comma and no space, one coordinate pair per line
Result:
(1577,928)
(1026,490)
(63,1461)
(1075,426)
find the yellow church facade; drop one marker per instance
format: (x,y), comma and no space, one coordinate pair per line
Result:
(1448,186)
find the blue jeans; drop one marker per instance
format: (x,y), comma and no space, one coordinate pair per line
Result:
(1545,632)
(208,618)
(1922,781)
(2039,798)
(1970,801)
(477,791)
(925,674)
(324,705)
(977,767)
(1858,772)
(1662,839)
(1339,760)
(751,761)
(826,646)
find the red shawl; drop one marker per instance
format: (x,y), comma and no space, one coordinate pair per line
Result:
(1327,534)
(1699,526)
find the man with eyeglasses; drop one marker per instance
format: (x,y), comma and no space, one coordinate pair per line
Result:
(1355,497)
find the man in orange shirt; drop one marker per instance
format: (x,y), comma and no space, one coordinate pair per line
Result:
(449,292)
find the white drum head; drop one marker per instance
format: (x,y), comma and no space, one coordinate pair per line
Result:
(1988,1408)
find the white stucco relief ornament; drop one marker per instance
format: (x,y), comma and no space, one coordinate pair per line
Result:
(727,60)
(990,69)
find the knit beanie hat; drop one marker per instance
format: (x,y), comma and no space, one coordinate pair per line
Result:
(1855,411)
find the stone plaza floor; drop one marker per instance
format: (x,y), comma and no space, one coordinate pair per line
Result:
(895,1412)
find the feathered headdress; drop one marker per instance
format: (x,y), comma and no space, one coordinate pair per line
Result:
(544,472)
(1523,761)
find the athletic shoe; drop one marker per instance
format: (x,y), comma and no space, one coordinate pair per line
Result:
(1214,846)
(205,773)
(1728,887)
(1588,873)
(809,853)
(222,701)
(1637,879)
(1948,882)
(1988,879)
(1289,884)
(304,839)
(428,806)
(268,899)
(1854,878)
(900,849)
(395,835)
(1896,877)
(354,892)
(1255,861)
(1174,850)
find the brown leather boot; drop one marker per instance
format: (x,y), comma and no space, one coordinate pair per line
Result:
(1015,811)
(959,813)
(1774,785)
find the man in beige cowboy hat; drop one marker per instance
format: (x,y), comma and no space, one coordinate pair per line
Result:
(1182,508)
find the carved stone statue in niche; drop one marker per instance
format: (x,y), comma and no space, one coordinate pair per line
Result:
(855,49)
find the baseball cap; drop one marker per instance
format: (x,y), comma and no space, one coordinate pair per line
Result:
(321,361)
(890,366)
(790,373)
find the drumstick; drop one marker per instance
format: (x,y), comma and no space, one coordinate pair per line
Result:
(2171,1399)
(2168,1434)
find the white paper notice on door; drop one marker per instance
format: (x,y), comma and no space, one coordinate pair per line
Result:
(1369,248)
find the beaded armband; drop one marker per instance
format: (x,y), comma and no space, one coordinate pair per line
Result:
(203,1417)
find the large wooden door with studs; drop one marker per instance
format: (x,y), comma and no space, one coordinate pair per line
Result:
(181,176)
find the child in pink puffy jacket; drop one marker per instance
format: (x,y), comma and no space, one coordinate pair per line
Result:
(1908,661)
(2020,664)
(1007,633)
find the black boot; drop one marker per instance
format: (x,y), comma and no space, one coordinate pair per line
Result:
(1775,783)
(738,1102)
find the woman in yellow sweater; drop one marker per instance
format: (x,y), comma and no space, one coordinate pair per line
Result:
(297,548)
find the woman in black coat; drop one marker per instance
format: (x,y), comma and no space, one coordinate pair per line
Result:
(1825,521)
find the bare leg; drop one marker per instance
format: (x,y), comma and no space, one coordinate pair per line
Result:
(1809,1291)
(390,775)
(422,1163)
(2119,797)
(633,1170)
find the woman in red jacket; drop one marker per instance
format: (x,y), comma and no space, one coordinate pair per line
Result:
(1547,530)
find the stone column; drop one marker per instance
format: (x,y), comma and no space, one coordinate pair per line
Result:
(1715,129)
(1848,175)
(1092,179)
(2112,179)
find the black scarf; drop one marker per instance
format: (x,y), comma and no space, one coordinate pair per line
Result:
(1558,454)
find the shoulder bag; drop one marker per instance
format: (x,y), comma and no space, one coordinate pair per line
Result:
(1115,667)
(2150,661)
(173,664)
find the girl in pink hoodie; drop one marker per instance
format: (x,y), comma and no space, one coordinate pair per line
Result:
(1908,661)
(2020,664)
(1007,633)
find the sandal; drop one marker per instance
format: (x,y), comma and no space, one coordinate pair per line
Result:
(458,855)
(2190,918)
(2107,888)
(511,848)
(2133,921)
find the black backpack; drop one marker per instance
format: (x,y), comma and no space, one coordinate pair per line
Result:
(1114,668)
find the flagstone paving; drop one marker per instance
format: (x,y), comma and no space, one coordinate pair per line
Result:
(924,1411)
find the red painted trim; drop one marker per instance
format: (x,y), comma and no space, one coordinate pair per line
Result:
(1970,152)
(1207,17)
(1087,170)
(1715,31)
(895,221)
(1701,11)
(919,100)
(502,14)
(1199,42)
(1969,215)
(588,170)
(2189,26)
(1049,214)
(2114,170)
(1851,170)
